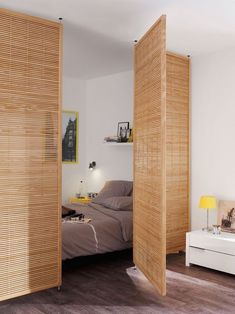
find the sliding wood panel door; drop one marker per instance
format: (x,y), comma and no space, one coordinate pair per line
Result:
(30,218)
(149,155)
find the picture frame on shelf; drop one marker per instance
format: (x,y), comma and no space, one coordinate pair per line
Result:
(226,216)
(122,131)
(70,137)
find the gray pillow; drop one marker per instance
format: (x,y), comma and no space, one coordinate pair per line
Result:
(119,202)
(114,188)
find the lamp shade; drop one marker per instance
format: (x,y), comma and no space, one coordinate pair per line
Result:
(208,201)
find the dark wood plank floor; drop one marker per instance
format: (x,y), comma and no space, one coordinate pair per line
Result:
(109,284)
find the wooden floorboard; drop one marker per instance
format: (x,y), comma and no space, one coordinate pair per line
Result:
(110,284)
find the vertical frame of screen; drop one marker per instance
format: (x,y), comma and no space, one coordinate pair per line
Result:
(70,122)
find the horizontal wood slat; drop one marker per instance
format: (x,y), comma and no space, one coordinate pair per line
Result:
(30,233)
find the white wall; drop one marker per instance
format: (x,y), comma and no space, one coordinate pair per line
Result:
(74,98)
(213,130)
(109,101)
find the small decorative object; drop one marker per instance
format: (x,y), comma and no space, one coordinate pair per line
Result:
(70,137)
(216,229)
(110,139)
(122,131)
(92,194)
(92,165)
(226,216)
(130,137)
(208,202)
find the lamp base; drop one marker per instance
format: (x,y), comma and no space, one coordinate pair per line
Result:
(207,228)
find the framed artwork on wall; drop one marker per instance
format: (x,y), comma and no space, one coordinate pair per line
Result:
(70,137)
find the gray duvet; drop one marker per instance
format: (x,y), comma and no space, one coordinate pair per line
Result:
(108,231)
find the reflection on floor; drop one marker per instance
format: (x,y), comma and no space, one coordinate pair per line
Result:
(110,284)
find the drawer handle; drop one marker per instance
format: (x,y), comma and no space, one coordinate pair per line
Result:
(198,248)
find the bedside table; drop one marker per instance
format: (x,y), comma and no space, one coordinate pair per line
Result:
(209,250)
(82,200)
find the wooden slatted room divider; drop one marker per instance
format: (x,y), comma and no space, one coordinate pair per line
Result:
(149,155)
(161,154)
(30,154)
(177,152)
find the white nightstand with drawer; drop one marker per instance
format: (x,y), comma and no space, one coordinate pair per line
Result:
(213,251)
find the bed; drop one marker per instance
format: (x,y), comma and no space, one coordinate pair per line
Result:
(110,228)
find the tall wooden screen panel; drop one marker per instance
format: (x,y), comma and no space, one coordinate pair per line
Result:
(30,231)
(149,155)
(177,152)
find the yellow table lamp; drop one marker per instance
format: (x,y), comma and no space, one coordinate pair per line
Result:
(208,202)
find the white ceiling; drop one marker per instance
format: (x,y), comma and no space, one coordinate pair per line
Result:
(99,34)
